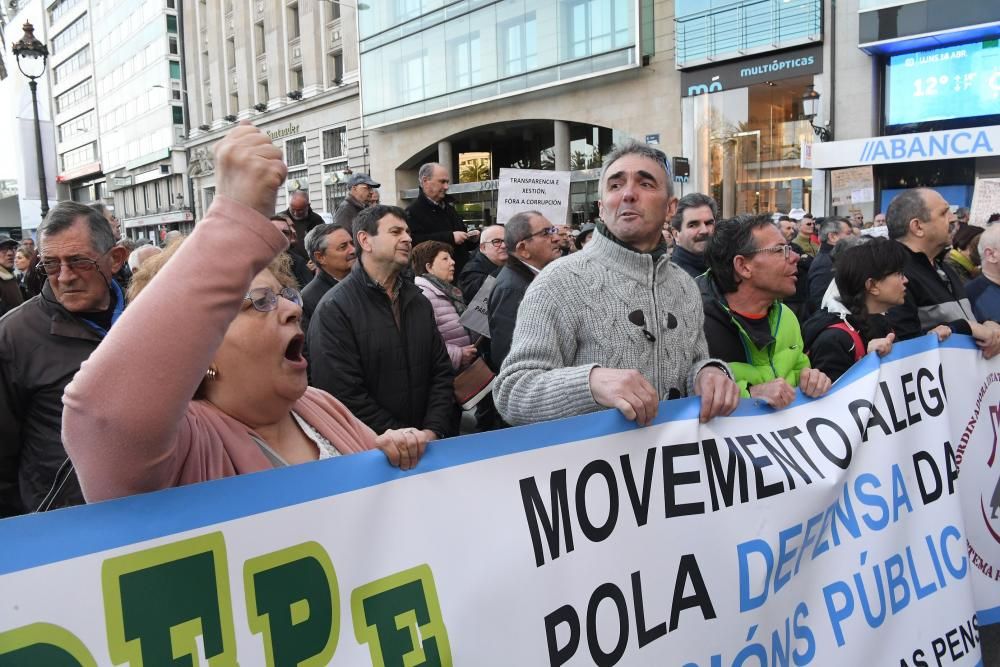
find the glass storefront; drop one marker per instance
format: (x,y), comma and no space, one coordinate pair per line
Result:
(745,147)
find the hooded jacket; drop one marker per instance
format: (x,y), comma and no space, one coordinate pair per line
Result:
(753,359)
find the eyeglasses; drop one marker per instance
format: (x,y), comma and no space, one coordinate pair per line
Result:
(264,299)
(548,231)
(496,243)
(52,267)
(785,250)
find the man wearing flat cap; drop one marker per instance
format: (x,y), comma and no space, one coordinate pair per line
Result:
(359,189)
(10,293)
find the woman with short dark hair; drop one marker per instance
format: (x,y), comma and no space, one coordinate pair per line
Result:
(434,268)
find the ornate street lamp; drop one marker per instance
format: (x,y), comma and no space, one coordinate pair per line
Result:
(32,56)
(810,109)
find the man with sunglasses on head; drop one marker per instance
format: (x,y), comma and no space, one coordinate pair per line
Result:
(42,345)
(751,268)
(632,335)
(532,244)
(490,259)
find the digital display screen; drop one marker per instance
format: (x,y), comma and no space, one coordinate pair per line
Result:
(960,81)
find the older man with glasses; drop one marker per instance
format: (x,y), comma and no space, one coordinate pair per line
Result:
(532,244)
(490,259)
(42,345)
(751,268)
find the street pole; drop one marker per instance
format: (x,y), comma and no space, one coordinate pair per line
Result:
(42,190)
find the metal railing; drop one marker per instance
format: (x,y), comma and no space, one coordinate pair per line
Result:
(745,27)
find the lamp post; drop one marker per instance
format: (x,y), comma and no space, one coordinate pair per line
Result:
(32,56)
(810,109)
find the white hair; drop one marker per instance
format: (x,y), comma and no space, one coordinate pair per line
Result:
(140,255)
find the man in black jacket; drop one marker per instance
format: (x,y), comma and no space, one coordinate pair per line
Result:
(42,345)
(694,224)
(488,261)
(331,249)
(831,230)
(918,219)
(359,191)
(373,341)
(432,217)
(304,219)
(533,244)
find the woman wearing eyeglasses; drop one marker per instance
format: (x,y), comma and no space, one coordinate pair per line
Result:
(221,387)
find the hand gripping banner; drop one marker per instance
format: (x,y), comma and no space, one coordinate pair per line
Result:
(857,529)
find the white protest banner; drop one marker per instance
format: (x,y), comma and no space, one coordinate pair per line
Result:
(828,533)
(985,201)
(854,185)
(533,190)
(476,315)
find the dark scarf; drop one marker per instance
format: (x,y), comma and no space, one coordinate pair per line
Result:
(453,293)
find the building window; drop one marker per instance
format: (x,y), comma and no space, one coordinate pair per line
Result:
(72,64)
(409,71)
(333,190)
(334,11)
(178,113)
(295,79)
(595,26)
(79,125)
(75,95)
(172,46)
(298,180)
(175,70)
(295,152)
(407,9)
(234,103)
(70,34)
(334,143)
(60,8)
(335,61)
(519,45)
(464,66)
(258,38)
(263,94)
(77,156)
(171,24)
(171,4)
(294,30)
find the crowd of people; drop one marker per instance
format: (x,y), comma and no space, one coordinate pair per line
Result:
(313,340)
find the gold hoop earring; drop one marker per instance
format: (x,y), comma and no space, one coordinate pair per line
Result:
(212,373)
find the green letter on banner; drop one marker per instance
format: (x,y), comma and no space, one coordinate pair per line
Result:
(43,644)
(387,614)
(293,599)
(158,602)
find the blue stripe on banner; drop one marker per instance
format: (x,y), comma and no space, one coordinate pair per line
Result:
(989,616)
(64,534)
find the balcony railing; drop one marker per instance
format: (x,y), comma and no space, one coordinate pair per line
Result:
(753,26)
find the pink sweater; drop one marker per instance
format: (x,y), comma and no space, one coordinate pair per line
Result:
(128,422)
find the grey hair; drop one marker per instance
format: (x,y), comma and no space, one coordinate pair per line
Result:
(905,207)
(426,171)
(831,225)
(300,191)
(317,241)
(693,200)
(634,147)
(989,239)
(100,207)
(66,213)
(518,228)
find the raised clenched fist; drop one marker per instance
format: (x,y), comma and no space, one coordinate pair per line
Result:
(249,168)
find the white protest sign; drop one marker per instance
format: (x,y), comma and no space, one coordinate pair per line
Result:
(476,315)
(985,201)
(533,190)
(834,532)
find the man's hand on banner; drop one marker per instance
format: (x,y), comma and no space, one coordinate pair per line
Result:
(942,331)
(776,393)
(814,383)
(719,394)
(628,391)
(987,335)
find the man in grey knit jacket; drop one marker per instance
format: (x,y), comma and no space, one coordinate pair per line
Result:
(616,325)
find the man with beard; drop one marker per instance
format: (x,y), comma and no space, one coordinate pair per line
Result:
(694,224)
(304,219)
(751,268)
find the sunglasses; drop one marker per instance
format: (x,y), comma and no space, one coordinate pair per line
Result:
(264,299)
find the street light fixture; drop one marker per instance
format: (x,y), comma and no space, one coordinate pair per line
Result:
(32,56)
(810,109)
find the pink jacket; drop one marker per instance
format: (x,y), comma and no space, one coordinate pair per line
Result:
(454,334)
(130,426)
